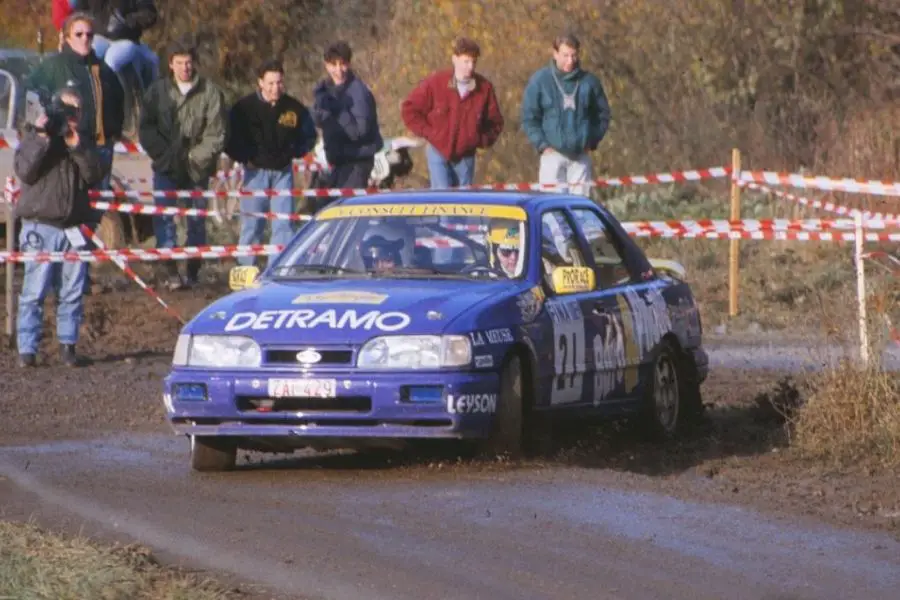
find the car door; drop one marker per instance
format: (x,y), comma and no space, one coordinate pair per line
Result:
(572,358)
(615,352)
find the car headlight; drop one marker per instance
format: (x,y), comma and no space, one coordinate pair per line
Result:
(220,351)
(415,352)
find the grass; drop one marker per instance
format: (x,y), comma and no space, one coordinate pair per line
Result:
(39,565)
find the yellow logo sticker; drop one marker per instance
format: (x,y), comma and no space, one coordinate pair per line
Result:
(571,280)
(344,297)
(288,119)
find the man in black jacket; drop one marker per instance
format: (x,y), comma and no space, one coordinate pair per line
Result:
(56,168)
(120,25)
(346,112)
(269,129)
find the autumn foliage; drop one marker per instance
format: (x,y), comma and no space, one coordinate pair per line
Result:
(809,84)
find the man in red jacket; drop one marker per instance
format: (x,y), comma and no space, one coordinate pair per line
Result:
(457,112)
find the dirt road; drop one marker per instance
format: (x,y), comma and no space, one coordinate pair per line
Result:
(727,512)
(347,527)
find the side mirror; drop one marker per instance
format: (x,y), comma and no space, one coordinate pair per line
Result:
(572,280)
(240,278)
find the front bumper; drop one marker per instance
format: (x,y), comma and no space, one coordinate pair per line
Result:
(701,362)
(365,405)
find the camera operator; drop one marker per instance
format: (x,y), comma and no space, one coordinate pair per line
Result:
(56,169)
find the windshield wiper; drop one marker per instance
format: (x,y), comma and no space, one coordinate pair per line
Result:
(321,269)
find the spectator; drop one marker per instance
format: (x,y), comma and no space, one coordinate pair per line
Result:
(457,112)
(56,167)
(120,24)
(346,113)
(101,119)
(269,129)
(76,64)
(565,114)
(184,129)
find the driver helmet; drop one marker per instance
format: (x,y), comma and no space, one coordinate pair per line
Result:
(377,250)
(396,231)
(505,240)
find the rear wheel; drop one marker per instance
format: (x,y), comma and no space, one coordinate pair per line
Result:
(507,432)
(664,405)
(211,453)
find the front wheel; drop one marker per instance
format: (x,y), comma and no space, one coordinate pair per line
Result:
(507,431)
(211,453)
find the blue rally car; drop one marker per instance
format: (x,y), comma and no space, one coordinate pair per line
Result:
(457,315)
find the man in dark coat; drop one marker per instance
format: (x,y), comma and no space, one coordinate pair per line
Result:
(346,112)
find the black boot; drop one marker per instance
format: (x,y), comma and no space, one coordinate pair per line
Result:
(27,361)
(67,355)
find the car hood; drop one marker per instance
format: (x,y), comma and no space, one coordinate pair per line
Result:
(343,312)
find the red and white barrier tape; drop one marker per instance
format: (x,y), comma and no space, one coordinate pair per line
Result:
(819,182)
(756,225)
(126,268)
(144,255)
(826,206)
(773,235)
(271,193)
(307,163)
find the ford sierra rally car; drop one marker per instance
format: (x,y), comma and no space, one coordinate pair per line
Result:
(455,315)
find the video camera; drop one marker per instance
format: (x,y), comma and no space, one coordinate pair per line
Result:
(57,112)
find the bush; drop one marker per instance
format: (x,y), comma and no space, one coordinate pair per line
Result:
(850,414)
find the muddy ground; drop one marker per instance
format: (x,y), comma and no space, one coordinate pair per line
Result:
(740,456)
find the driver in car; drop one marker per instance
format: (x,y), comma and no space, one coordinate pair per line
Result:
(504,237)
(381,255)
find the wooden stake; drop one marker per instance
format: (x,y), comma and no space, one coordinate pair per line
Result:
(734,249)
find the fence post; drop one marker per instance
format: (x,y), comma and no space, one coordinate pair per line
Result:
(10,269)
(861,290)
(734,246)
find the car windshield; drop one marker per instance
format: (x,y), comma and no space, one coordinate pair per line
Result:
(461,241)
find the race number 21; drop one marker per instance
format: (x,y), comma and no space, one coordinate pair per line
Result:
(568,351)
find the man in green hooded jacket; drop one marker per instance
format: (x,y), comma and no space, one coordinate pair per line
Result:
(565,114)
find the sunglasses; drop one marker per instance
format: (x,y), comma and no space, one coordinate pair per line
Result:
(507,251)
(85,34)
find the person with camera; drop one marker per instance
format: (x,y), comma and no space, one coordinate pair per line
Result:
(102,114)
(56,169)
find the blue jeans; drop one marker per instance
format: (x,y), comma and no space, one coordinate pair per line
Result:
(164,225)
(119,53)
(252,228)
(65,278)
(445,174)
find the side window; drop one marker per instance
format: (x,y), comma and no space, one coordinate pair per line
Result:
(611,268)
(559,248)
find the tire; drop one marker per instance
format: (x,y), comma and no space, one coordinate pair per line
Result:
(507,431)
(665,409)
(210,453)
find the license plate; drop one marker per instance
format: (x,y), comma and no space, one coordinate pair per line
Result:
(302,388)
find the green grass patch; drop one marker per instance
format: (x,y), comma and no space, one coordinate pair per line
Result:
(39,565)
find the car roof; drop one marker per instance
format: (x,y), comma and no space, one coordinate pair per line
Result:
(527,200)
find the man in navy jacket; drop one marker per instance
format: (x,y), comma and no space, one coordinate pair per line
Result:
(346,112)
(269,129)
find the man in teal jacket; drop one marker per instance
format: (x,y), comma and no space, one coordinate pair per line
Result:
(565,114)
